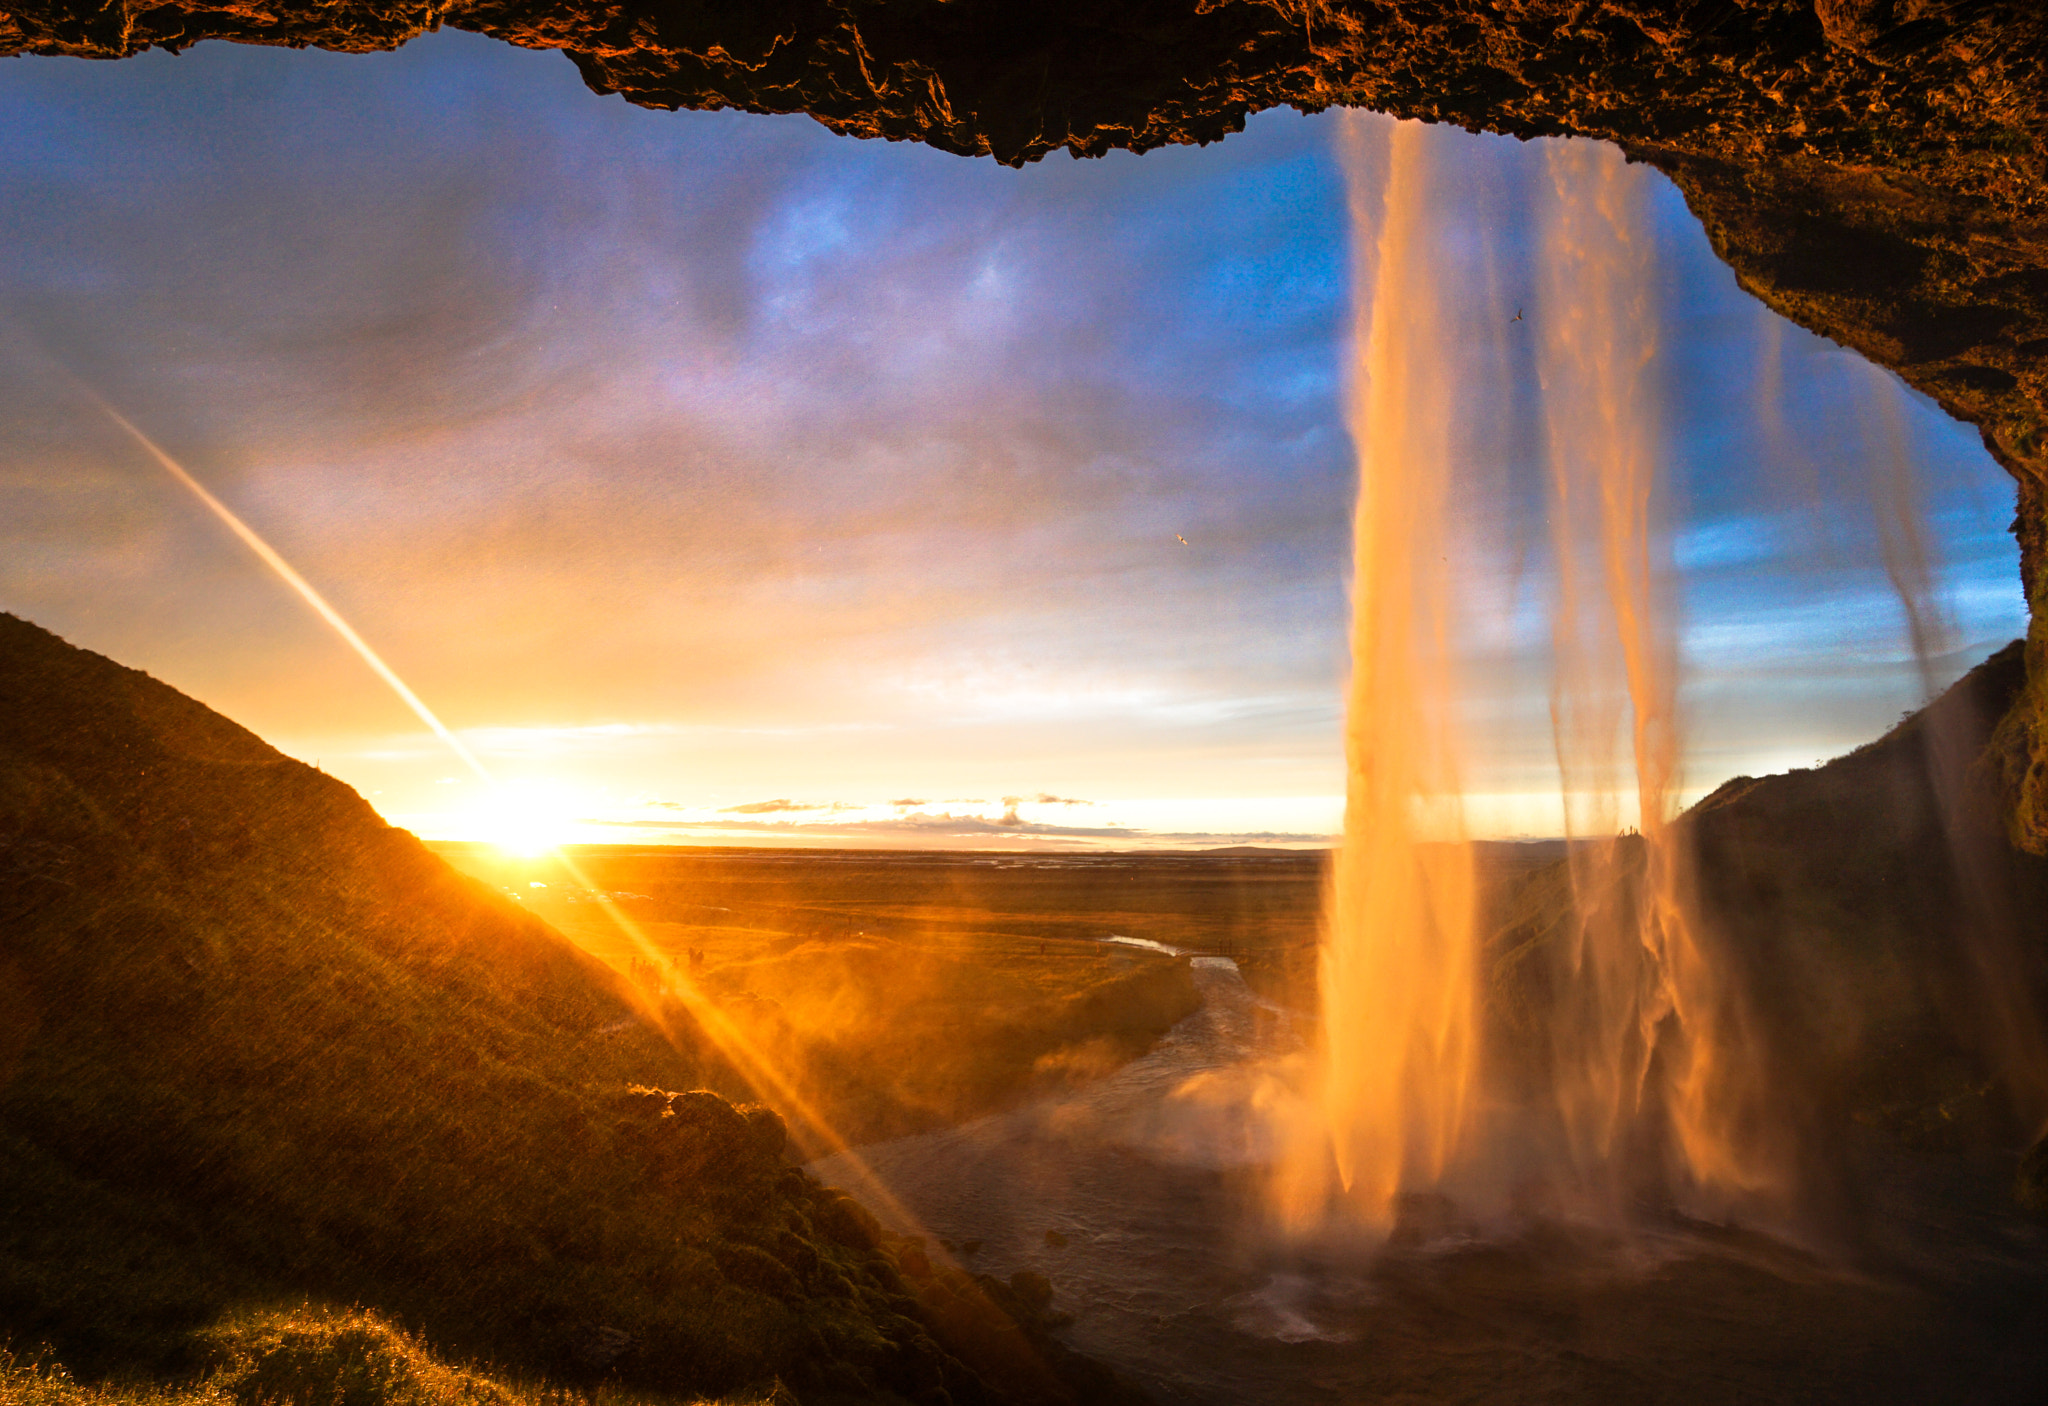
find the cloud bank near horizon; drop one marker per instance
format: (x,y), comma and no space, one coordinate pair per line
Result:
(947,830)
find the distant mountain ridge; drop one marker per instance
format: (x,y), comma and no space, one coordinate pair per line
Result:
(258,1045)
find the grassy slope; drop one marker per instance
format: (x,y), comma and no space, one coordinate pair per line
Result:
(1908,940)
(255,1045)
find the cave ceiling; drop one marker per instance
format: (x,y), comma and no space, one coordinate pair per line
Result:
(1873,169)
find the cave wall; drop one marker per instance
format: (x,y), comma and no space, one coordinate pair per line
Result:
(1872,169)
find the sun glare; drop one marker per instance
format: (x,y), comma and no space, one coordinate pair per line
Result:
(524,819)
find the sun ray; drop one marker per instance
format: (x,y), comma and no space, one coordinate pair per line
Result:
(753,1064)
(270,557)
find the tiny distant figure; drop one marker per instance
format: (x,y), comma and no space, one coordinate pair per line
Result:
(696,961)
(1180,539)
(1517,317)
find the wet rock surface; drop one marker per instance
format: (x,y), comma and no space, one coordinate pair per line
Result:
(1872,169)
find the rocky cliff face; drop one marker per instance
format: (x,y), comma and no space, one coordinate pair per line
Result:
(1873,169)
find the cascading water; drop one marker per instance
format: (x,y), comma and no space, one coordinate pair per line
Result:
(1611,676)
(1398,1039)
(1645,1080)
(1650,1081)
(1908,565)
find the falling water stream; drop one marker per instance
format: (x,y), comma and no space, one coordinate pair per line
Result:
(1398,1038)
(1647,1033)
(1644,1078)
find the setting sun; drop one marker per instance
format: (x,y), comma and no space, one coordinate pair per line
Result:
(524,818)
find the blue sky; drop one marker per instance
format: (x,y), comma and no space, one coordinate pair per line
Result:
(694,461)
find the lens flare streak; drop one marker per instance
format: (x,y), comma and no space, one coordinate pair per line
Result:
(752,1063)
(269,556)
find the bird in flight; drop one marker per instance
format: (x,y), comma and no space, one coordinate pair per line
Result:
(1517,317)
(1180,539)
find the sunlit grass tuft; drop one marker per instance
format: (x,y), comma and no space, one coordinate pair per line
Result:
(314,1356)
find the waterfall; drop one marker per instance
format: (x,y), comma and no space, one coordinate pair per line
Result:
(1652,1079)
(1397,969)
(1645,1089)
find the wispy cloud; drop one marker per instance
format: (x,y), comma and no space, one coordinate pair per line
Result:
(1011,820)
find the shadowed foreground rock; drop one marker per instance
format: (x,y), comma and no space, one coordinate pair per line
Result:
(1872,169)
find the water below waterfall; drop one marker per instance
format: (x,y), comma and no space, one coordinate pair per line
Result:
(1150,1184)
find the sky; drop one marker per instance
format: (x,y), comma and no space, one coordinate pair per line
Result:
(718,479)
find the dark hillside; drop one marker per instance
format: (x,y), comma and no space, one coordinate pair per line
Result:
(256,1045)
(1890,946)
(1902,937)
